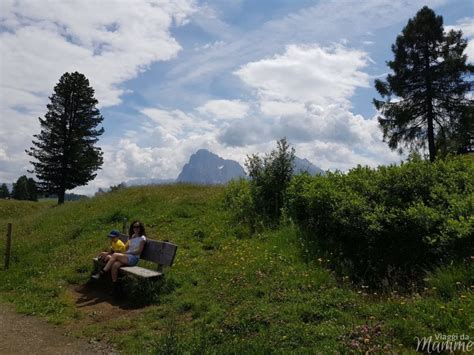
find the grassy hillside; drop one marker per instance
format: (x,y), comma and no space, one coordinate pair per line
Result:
(227,291)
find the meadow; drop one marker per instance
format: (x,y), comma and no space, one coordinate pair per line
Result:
(228,291)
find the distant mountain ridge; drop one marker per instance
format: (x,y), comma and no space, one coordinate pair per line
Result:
(148,181)
(302,165)
(208,168)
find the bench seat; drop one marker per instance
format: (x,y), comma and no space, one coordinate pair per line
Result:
(140,272)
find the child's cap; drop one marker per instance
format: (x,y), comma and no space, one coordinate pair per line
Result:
(113,234)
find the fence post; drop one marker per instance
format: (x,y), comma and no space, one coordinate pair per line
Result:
(124,226)
(8,246)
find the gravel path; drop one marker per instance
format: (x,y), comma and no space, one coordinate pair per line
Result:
(21,334)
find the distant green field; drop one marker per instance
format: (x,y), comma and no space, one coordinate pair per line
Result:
(227,292)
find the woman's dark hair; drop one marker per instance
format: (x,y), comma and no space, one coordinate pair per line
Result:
(142,229)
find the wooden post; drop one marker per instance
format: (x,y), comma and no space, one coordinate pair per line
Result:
(8,246)
(124,226)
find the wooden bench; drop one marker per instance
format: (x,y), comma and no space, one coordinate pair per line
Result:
(159,252)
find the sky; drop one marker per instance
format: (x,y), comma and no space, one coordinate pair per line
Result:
(230,76)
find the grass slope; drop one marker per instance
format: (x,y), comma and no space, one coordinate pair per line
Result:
(226,293)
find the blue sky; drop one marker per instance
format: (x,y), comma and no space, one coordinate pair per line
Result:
(231,76)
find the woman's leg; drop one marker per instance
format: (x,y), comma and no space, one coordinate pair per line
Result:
(114,271)
(116,257)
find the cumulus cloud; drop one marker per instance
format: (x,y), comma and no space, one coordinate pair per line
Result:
(308,74)
(224,109)
(304,95)
(282,108)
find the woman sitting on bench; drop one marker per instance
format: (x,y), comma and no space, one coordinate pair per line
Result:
(131,256)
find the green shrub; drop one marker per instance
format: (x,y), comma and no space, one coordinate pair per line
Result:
(239,201)
(258,202)
(269,178)
(391,222)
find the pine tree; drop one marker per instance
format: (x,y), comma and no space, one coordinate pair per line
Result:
(4,193)
(65,151)
(20,189)
(427,94)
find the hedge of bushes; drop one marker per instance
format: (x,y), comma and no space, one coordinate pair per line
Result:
(390,223)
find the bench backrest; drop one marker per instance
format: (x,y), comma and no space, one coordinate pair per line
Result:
(159,252)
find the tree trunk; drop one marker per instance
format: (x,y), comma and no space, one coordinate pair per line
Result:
(429,103)
(61,194)
(431,142)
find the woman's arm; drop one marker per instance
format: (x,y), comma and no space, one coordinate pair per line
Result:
(140,248)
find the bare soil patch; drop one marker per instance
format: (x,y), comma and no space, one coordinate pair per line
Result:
(22,334)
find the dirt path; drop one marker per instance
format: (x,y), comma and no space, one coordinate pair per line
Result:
(22,334)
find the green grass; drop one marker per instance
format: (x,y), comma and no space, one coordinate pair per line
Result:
(227,292)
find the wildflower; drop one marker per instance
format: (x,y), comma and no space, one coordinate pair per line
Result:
(442,307)
(461,309)
(372,317)
(458,283)
(462,296)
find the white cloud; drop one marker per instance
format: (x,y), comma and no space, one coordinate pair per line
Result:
(304,95)
(175,124)
(282,108)
(308,74)
(109,41)
(224,109)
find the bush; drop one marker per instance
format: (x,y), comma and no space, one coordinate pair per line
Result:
(257,202)
(269,178)
(391,222)
(239,201)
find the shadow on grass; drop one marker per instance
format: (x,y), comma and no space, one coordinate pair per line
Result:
(95,292)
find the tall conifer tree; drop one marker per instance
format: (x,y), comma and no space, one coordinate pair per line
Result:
(64,151)
(427,94)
